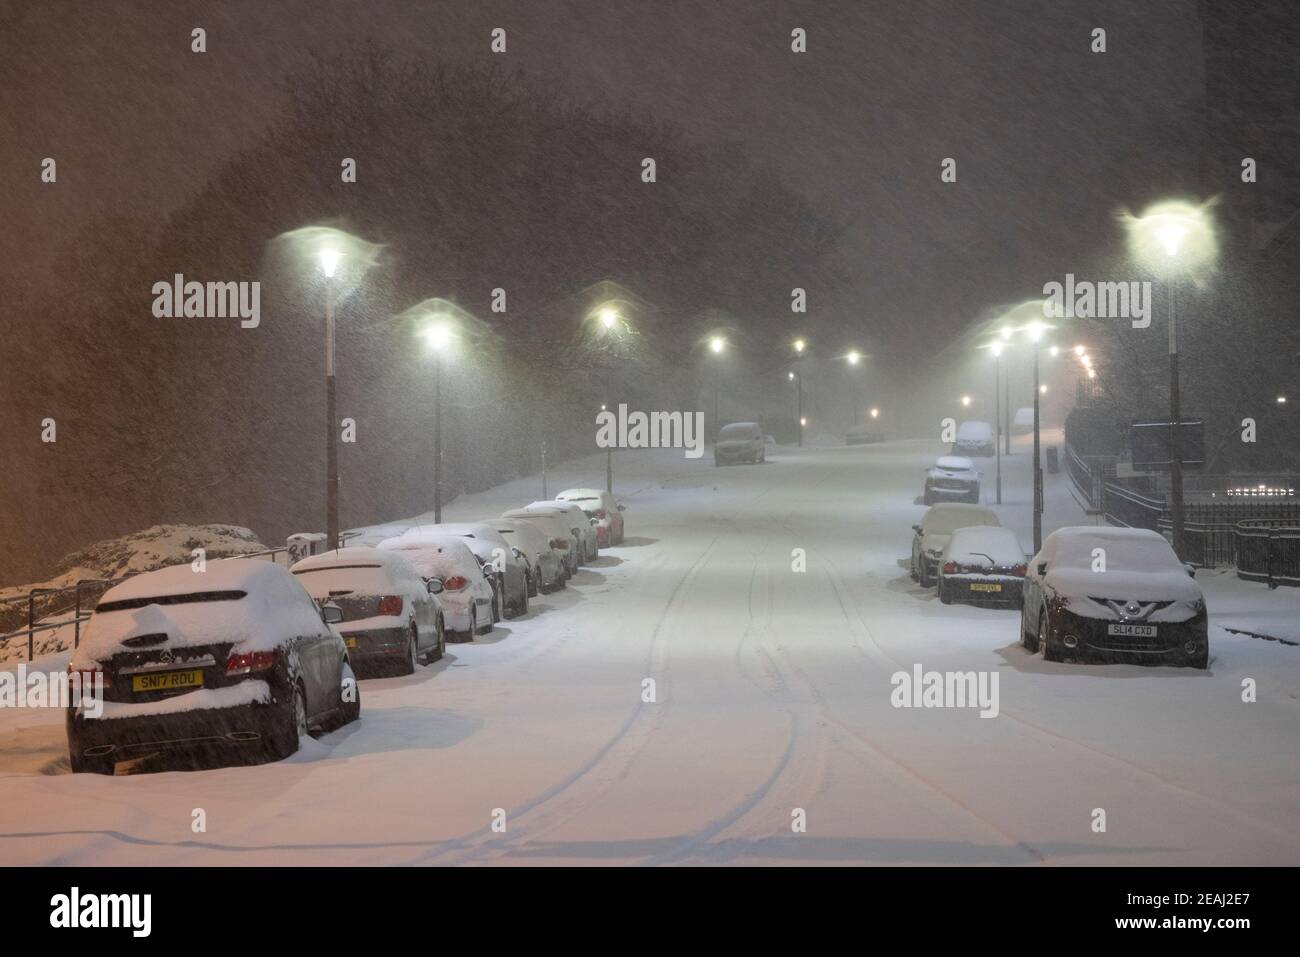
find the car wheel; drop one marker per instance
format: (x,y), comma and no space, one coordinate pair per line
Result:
(533,587)
(490,626)
(407,665)
(473,622)
(496,605)
(923,575)
(927,499)
(522,608)
(1027,637)
(1044,644)
(291,726)
(83,765)
(945,596)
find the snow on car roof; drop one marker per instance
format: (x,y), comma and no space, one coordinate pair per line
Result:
(235,574)
(955,463)
(579,494)
(980,543)
(433,554)
(354,555)
(974,429)
(947,516)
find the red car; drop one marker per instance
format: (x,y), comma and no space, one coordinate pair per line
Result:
(603,508)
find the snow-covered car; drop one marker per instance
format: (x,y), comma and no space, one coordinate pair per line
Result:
(391,616)
(1024,420)
(974,438)
(602,507)
(952,478)
(932,534)
(467,593)
(545,564)
(1115,594)
(554,524)
(580,525)
(982,564)
(235,658)
(509,575)
(739,442)
(863,435)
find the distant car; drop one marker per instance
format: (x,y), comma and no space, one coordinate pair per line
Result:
(974,439)
(391,616)
(555,525)
(509,575)
(545,566)
(579,524)
(863,435)
(1024,420)
(467,593)
(952,478)
(236,659)
(982,564)
(602,507)
(1114,594)
(739,442)
(931,535)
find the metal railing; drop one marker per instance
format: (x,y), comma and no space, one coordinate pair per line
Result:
(1267,552)
(1089,475)
(1123,506)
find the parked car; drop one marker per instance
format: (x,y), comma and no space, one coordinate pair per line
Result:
(582,527)
(1024,420)
(509,574)
(555,525)
(235,659)
(974,439)
(1114,594)
(467,592)
(391,617)
(600,506)
(937,525)
(952,478)
(863,435)
(739,442)
(982,564)
(545,564)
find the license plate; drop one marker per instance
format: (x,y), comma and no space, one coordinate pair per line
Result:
(168,680)
(977,586)
(350,641)
(1131,631)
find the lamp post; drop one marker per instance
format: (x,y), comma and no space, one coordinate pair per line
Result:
(717,345)
(799,346)
(438,336)
(329,260)
(997,404)
(1174,237)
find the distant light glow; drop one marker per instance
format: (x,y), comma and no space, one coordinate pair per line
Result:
(1035,330)
(1079,350)
(329,262)
(608,317)
(1172,236)
(1042,389)
(438,335)
(800,345)
(875,413)
(1006,332)
(1054,351)
(1281,400)
(717,344)
(790,375)
(803,421)
(997,349)
(965,400)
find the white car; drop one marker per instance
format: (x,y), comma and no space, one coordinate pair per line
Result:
(1115,594)
(974,438)
(509,569)
(555,525)
(545,564)
(602,507)
(467,592)
(391,616)
(581,526)
(982,564)
(952,478)
(739,442)
(931,535)
(1024,420)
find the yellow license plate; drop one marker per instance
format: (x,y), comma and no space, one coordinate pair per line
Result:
(350,642)
(977,586)
(168,680)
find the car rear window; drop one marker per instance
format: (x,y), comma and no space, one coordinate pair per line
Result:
(191,598)
(366,579)
(738,432)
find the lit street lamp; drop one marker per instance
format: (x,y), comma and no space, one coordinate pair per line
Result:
(717,345)
(996,348)
(799,346)
(1173,238)
(438,336)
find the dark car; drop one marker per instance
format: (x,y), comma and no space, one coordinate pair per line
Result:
(982,565)
(739,442)
(235,659)
(1113,594)
(391,616)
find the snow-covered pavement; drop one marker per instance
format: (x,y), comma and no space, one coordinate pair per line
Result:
(772,696)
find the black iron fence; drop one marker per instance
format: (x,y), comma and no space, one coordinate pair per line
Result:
(1267,552)
(1124,506)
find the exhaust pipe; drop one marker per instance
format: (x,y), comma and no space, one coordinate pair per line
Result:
(242,736)
(100,750)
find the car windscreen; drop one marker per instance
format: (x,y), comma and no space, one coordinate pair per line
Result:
(1129,555)
(361,579)
(190,598)
(946,521)
(737,432)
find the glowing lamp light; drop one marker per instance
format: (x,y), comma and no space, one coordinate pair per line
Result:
(438,336)
(608,317)
(800,345)
(803,421)
(717,344)
(997,349)
(965,400)
(329,262)
(853,357)
(875,413)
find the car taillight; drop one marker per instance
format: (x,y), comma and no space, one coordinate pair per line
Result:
(950,568)
(390,605)
(600,513)
(249,662)
(88,676)
(1020,570)
(455,583)
(560,543)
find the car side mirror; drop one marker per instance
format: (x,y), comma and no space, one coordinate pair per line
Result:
(331,614)
(434,585)
(1191,569)
(517,553)
(917,529)
(593,522)
(1042,568)
(622,508)
(489,569)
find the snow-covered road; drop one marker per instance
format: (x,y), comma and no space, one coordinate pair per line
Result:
(772,694)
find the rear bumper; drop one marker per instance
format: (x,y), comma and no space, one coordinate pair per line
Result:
(375,646)
(966,491)
(973,590)
(240,728)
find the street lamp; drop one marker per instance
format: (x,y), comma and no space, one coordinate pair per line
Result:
(1035,332)
(329,262)
(799,346)
(717,345)
(1173,238)
(996,349)
(965,401)
(438,337)
(875,413)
